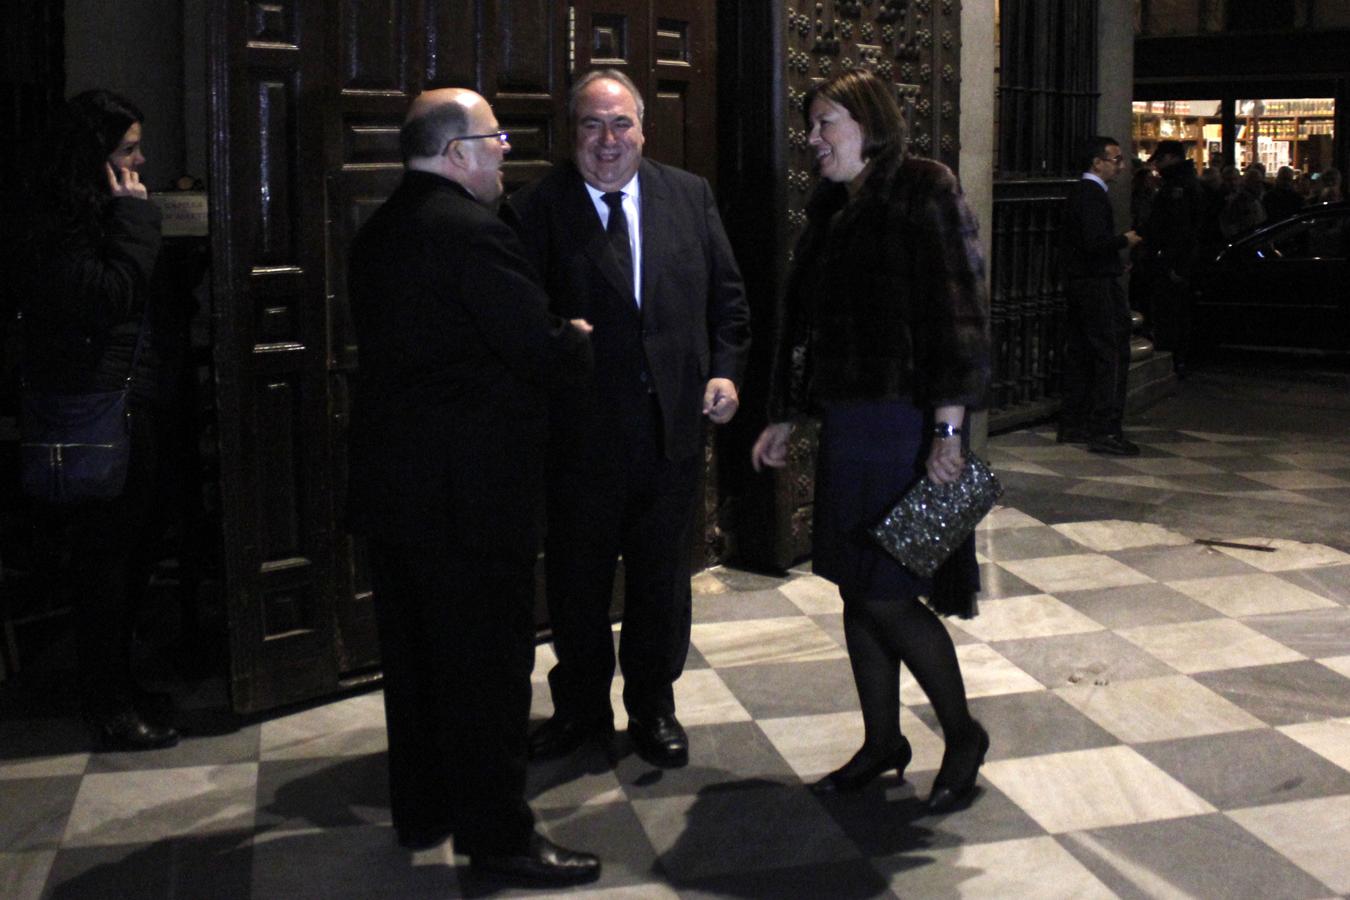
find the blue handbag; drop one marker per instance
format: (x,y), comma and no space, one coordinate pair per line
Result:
(75,447)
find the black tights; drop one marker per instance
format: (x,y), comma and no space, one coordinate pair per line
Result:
(881,634)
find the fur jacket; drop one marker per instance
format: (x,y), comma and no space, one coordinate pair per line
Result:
(886,299)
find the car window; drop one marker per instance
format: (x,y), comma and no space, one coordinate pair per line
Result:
(1315,237)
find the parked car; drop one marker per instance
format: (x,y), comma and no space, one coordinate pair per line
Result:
(1287,284)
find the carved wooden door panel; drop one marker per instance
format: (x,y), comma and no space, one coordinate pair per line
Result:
(306,100)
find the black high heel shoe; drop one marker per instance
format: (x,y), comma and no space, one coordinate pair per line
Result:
(952,790)
(857,773)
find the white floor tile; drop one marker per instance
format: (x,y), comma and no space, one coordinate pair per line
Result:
(1208,645)
(1314,834)
(1092,789)
(1157,709)
(150,805)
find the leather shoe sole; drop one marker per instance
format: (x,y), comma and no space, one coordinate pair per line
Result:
(660,741)
(543,863)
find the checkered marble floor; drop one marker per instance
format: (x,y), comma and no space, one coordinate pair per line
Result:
(1168,719)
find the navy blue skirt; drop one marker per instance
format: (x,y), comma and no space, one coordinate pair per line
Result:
(870,454)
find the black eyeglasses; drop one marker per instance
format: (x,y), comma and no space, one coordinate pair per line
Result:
(501,136)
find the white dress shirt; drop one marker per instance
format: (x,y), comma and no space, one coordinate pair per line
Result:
(631,205)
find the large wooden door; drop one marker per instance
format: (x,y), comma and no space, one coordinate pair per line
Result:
(306,101)
(307,97)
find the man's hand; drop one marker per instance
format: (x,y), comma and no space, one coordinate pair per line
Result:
(582,325)
(720,400)
(771,448)
(128,184)
(1131,238)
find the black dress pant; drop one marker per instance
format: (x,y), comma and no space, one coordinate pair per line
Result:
(641,507)
(111,547)
(1097,364)
(457,643)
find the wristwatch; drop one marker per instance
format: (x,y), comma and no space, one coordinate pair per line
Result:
(946,430)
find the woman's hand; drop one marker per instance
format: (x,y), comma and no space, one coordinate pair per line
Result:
(771,448)
(945,460)
(128,184)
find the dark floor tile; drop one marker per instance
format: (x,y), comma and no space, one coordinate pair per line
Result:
(1024,439)
(34,811)
(241,745)
(1179,563)
(613,832)
(1163,436)
(1201,856)
(1031,723)
(360,863)
(1032,542)
(1092,466)
(741,605)
(1332,582)
(190,868)
(1283,694)
(1098,657)
(1129,493)
(778,690)
(833,625)
(997,582)
(1134,605)
(887,822)
(1316,633)
(855,879)
(333,792)
(718,755)
(1248,768)
(1254,463)
(741,827)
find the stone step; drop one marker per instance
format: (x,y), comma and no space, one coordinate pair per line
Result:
(1150,380)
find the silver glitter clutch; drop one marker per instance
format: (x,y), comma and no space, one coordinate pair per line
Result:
(931,520)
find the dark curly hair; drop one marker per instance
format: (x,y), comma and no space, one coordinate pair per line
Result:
(71,188)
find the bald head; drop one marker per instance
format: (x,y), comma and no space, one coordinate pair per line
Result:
(434,119)
(452,132)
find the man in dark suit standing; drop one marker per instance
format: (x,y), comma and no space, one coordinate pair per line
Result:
(638,249)
(448,437)
(1098,360)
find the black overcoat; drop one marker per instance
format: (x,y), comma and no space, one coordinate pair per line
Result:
(457,354)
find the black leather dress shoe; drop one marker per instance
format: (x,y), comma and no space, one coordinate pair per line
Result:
(561,735)
(860,771)
(1114,444)
(125,729)
(542,863)
(955,783)
(660,740)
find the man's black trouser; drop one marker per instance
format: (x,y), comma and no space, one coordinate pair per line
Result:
(1097,363)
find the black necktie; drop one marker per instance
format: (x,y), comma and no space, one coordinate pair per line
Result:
(617,229)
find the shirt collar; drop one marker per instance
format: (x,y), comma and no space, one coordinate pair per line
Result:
(631,190)
(1089,176)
